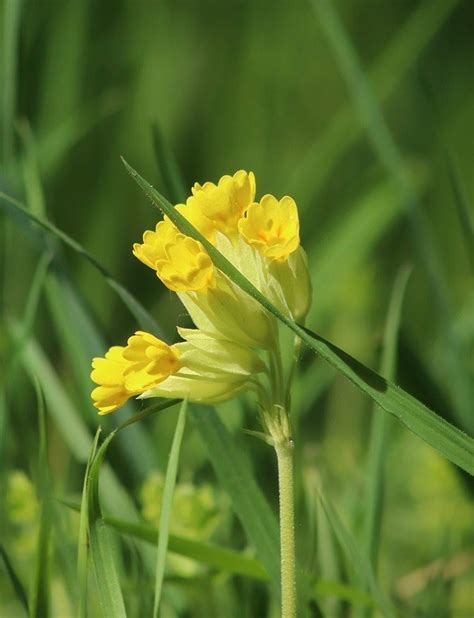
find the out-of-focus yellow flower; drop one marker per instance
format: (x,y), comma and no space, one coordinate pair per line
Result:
(272,227)
(224,203)
(128,371)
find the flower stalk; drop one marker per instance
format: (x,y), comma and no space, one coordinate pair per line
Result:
(284,453)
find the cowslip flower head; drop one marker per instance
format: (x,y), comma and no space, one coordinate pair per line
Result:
(224,203)
(222,356)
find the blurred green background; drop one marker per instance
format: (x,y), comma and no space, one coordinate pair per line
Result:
(363,111)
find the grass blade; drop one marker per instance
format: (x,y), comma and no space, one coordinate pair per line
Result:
(15,580)
(450,441)
(138,311)
(356,557)
(39,603)
(169,169)
(110,594)
(166,503)
(463,209)
(220,558)
(380,429)
(234,475)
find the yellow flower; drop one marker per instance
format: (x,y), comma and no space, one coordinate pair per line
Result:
(222,356)
(224,203)
(180,262)
(128,371)
(272,227)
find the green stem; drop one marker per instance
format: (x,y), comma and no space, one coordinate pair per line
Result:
(284,452)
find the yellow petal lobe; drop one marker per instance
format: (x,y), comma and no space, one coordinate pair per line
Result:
(272,227)
(225,203)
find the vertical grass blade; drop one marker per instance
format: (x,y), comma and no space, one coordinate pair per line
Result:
(40,593)
(380,430)
(165,514)
(463,210)
(168,167)
(110,594)
(9,70)
(358,560)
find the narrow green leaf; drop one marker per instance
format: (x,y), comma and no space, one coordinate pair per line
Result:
(166,505)
(380,429)
(236,478)
(451,442)
(168,167)
(40,592)
(214,556)
(359,561)
(15,580)
(108,586)
(138,311)
(83,538)
(9,72)
(463,209)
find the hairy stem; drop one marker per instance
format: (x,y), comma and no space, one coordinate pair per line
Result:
(284,452)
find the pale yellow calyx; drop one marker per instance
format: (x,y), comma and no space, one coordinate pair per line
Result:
(272,227)
(225,203)
(125,372)
(181,262)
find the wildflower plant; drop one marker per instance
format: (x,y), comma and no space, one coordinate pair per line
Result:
(235,345)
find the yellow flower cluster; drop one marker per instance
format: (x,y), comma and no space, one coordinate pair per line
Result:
(223,355)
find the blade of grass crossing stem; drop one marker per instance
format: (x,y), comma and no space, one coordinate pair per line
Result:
(15,580)
(40,593)
(136,309)
(451,442)
(166,504)
(235,476)
(356,557)
(380,430)
(168,167)
(102,554)
(220,558)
